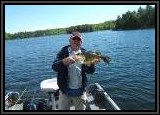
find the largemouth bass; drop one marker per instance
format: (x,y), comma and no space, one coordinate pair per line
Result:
(89,56)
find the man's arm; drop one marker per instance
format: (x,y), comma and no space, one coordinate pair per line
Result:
(89,69)
(58,63)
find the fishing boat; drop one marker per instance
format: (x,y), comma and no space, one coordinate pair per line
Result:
(95,98)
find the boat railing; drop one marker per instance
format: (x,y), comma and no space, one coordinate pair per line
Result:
(102,98)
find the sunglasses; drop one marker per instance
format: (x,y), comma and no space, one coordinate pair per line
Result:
(76,38)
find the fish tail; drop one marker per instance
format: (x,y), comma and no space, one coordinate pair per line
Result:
(106,59)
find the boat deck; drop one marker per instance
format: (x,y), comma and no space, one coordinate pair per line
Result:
(95,99)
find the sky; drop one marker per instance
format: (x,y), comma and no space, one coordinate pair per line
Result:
(20,18)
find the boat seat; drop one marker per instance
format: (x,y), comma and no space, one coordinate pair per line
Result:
(49,85)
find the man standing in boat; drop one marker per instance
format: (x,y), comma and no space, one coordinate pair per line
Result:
(71,75)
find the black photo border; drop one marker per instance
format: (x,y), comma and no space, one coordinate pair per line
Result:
(101,2)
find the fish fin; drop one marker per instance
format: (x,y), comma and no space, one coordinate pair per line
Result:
(98,52)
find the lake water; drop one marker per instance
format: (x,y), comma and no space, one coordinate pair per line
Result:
(129,79)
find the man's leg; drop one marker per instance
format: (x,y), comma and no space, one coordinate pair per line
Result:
(78,103)
(64,101)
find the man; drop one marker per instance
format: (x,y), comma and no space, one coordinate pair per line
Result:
(71,75)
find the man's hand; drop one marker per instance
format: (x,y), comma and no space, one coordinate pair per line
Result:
(68,61)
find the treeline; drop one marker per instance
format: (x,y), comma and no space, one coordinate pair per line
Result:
(81,28)
(143,18)
(91,27)
(21,35)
